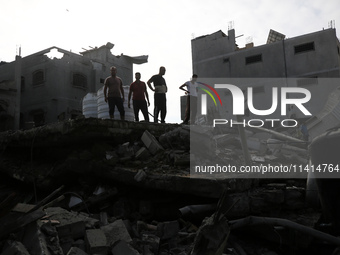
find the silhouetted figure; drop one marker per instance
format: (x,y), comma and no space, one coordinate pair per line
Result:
(139,93)
(159,96)
(114,93)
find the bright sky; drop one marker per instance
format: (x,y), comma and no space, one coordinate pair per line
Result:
(158,28)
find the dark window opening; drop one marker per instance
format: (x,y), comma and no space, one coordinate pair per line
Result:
(38,77)
(39,119)
(22,83)
(304,47)
(79,80)
(254,59)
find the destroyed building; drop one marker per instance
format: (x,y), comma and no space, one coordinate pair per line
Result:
(102,186)
(310,61)
(37,90)
(311,55)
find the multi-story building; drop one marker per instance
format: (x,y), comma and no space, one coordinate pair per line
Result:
(306,61)
(50,89)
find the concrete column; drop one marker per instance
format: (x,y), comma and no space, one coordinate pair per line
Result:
(17,79)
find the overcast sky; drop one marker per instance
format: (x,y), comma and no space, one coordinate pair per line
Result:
(158,28)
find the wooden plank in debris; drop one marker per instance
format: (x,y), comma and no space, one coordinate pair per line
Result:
(46,199)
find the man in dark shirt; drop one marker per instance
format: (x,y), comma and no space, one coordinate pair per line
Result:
(138,89)
(159,97)
(115,96)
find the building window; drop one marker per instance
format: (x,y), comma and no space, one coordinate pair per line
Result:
(79,80)
(22,83)
(38,77)
(254,59)
(304,47)
(38,118)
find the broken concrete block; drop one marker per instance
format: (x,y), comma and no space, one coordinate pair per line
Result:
(142,153)
(52,238)
(103,218)
(76,251)
(96,242)
(14,247)
(71,224)
(167,230)
(34,240)
(80,244)
(121,247)
(152,242)
(151,143)
(116,231)
(140,176)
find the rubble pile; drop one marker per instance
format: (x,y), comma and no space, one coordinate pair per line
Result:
(115,187)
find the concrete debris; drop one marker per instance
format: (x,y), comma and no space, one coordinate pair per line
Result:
(121,247)
(95,242)
(140,176)
(151,143)
(76,251)
(116,231)
(127,190)
(14,247)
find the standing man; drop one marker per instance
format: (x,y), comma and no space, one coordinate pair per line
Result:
(138,89)
(159,97)
(115,95)
(191,109)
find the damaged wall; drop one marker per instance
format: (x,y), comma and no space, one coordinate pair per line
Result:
(53,89)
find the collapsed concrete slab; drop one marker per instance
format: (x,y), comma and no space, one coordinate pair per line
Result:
(91,148)
(116,231)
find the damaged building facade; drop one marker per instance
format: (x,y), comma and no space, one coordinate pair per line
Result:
(305,61)
(47,89)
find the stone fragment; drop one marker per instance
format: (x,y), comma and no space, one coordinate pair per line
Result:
(151,143)
(116,231)
(14,247)
(96,243)
(140,176)
(71,224)
(151,242)
(121,247)
(34,240)
(142,154)
(76,251)
(167,230)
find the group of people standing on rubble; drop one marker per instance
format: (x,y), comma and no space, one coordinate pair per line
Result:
(114,96)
